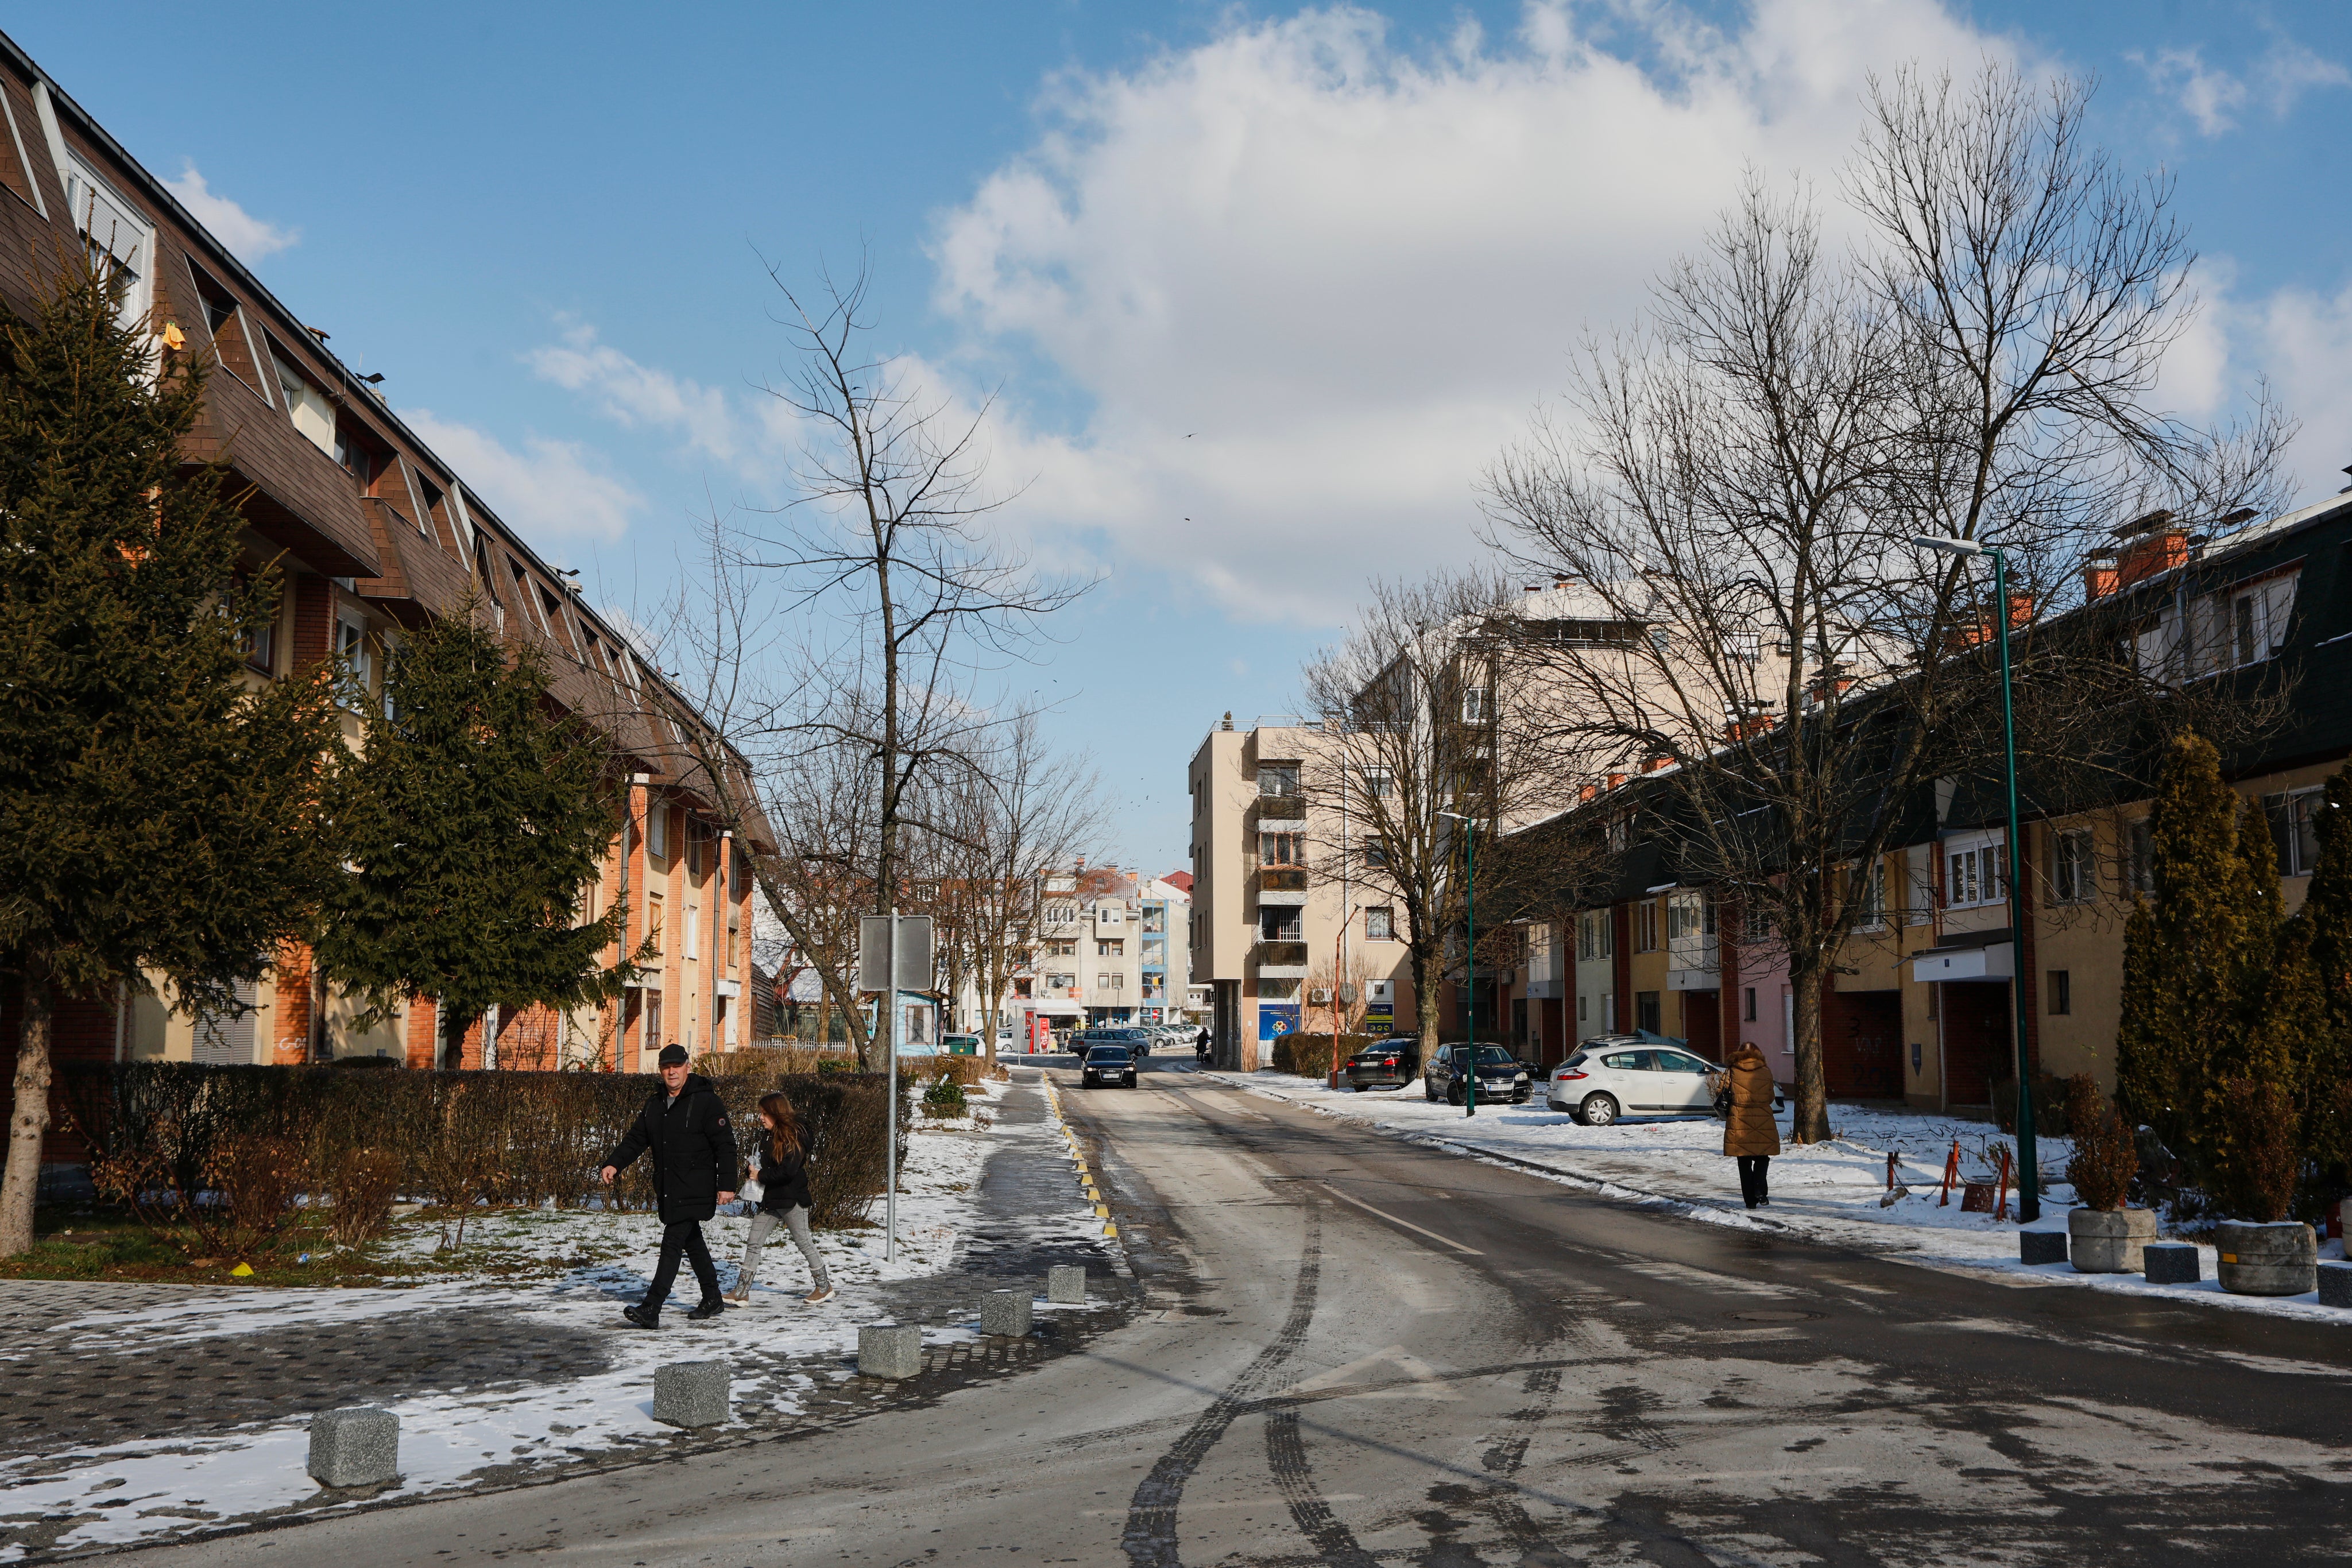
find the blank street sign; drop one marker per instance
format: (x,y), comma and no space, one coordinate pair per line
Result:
(914,952)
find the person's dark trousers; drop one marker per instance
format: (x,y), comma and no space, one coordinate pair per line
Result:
(686,1237)
(1753,1186)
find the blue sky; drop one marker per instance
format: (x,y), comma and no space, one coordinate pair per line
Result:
(1262,287)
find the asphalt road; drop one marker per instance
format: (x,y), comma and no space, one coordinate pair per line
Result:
(1360,1352)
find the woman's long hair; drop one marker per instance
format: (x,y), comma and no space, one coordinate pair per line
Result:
(784,1134)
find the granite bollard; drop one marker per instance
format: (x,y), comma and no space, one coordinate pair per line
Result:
(890,1349)
(2170,1263)
(1004,1312)
(2041,1246)
(1066,1283)
(690,1393)
(2336,1284)
(354,1448)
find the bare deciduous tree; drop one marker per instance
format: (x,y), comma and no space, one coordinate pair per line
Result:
(1423,710)
(1740,479)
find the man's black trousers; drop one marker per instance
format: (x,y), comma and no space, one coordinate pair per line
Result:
(686,1237)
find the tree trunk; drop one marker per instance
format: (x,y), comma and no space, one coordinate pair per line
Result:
(1811,1123)
(30,1118)
(1425,1008)
(453,1041)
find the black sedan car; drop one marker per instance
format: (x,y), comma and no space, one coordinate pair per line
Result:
(1390,1064)
(1108,1064)
(1500,1076)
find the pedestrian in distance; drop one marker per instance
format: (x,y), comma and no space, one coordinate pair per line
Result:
(684,1127)
(782,1161)
(1750,1136)
(1201,1045)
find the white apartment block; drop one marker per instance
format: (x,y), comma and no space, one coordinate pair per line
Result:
(1111,947)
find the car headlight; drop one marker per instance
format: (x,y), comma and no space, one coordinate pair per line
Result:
(1522,1078)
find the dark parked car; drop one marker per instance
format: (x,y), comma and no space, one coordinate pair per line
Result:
(1108,1064)
(1391,1064)
(1500,1076)
(1133,1041)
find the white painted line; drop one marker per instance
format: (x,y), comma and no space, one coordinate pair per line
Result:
(1392,1220)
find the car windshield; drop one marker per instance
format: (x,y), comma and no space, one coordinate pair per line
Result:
(1107,1053)
(1495,1056)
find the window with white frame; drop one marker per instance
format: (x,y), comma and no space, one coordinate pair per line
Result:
(119,238)
(350,644)
(1378,783)
(1277,778)
(2258,618)
(2073,878)
(1380,924)
(694,931)
(1281,849)
(2295,829)
(308,407)
(657,830)
(1645,926)
(1972,875)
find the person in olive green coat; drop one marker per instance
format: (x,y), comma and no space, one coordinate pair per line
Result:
(1750,1136)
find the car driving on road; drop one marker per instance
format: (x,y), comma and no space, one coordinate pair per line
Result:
(1500,1076)
(1391,1063)
(1108,1064)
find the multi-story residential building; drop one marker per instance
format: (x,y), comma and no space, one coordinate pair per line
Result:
(376,534)
(1262,923)
(1922,1005)
(1110,947)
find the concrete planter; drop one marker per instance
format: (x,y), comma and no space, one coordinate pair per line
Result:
(2100,1241)
(2281,1260)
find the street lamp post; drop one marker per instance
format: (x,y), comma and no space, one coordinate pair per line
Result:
(1469,958)
(2029,1183)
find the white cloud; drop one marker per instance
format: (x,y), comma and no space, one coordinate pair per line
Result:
(638,396)
(2210,96)
(2303,341)
(2213,96)
(1305,282)
(550,489)
(248,237)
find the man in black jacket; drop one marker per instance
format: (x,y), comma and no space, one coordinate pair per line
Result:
(684,1122)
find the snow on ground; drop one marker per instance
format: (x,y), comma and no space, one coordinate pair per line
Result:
(140,1490)
(1830,1192)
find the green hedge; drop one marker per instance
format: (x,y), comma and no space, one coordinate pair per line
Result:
(503,1138)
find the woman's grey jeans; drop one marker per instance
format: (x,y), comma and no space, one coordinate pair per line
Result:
(763,1222)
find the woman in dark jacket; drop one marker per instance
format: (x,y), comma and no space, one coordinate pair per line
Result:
(783,1197)
(1750,1136)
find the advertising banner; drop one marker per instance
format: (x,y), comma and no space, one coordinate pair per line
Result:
(1379,1018)
(1275,1019)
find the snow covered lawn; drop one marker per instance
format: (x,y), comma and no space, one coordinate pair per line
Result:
(142,1490)
(1831,1192)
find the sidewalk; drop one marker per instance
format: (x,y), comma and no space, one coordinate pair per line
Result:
(1830,1192)
(132,1413)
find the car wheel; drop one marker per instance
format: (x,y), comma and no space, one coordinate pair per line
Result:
(1598,1111)
(1453,1095)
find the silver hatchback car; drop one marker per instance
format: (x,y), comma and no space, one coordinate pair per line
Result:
(1607,1079)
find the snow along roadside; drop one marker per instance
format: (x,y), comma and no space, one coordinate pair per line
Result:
(1825,1192)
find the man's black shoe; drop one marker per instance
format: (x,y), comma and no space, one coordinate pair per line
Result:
(709,1309)
(642,1318)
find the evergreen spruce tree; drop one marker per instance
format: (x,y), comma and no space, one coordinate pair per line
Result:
(2185,950)
(473,820)
(2316,977)
(156,816)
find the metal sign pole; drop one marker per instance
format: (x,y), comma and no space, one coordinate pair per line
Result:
(890,1045)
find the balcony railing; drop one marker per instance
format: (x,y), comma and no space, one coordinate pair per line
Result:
(1281,955)
(1281,808)
(1283,878)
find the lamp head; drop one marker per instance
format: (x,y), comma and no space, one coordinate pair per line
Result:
(1949,546)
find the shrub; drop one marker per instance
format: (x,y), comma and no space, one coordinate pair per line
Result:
(156,1129)
(258,1178)
(363,1184)
(944,1097)
(2252,1166)
(2049,1101)
(2106,1154)
(1310,1055)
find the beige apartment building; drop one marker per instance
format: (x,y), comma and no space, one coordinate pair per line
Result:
(1268,936)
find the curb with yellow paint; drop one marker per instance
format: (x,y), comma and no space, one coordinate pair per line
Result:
(1078,1160)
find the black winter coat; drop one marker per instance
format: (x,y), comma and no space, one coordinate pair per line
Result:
(693,1149)
(783,1183)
